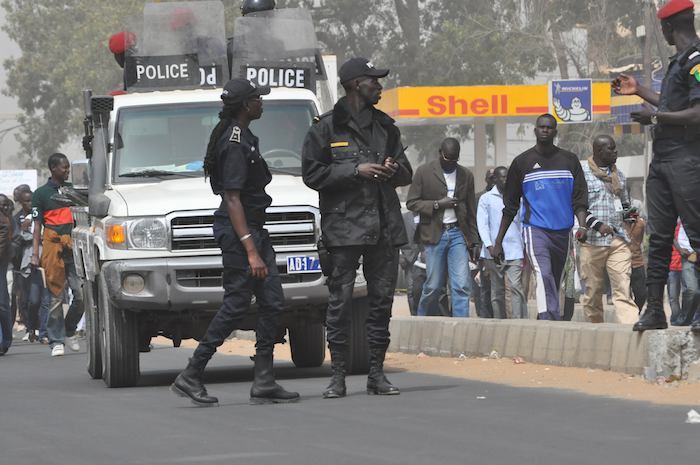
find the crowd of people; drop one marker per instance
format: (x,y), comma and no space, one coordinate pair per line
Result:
(607,258)
(35,251)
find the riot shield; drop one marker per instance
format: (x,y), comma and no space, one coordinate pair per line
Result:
(277,48)
(179,45)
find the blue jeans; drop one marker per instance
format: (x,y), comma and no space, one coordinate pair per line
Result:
(6,322)
(690,284)
(675,284)
(447,256)
(41,297)
(57,326)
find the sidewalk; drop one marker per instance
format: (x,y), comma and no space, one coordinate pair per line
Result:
(671,353)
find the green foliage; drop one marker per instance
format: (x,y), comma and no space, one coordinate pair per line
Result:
(424,42)
(64,50)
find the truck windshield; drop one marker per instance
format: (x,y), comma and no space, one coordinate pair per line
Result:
(168,141)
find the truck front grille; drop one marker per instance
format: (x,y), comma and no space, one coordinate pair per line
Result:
(288,228)
(213,278)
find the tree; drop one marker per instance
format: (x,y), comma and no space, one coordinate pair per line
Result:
(64,50)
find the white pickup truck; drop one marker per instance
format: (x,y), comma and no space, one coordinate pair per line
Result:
(145,247)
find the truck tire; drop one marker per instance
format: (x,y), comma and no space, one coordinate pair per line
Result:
(120,346)
(358,353)
(92,331)
(308,345)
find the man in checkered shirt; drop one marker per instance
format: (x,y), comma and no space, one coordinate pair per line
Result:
(607,247)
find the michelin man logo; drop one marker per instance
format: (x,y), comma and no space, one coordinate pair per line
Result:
(574,114)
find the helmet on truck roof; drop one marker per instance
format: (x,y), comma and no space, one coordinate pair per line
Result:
(253,6)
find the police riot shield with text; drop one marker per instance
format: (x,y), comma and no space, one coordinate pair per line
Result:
(277,48)
(177,45)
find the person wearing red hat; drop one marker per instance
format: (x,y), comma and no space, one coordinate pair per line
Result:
(673,184)
(119,43)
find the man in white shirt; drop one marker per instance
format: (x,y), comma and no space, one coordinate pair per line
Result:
(689,278)
(488,220)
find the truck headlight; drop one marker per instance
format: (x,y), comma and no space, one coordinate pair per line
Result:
(137,233)
(148,233)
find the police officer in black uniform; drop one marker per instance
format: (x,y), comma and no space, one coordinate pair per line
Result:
(673,184)
(354,158)
(239,174)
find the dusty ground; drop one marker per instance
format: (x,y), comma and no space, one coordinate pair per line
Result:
(505,371)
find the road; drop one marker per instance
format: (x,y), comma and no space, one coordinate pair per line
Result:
(52,413)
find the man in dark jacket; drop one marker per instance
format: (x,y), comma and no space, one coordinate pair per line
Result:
(442,194)
(354,158)
(6,320)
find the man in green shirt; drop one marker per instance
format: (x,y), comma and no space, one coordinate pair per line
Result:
(57,255)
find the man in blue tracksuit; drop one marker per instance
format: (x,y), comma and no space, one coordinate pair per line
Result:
(552,186)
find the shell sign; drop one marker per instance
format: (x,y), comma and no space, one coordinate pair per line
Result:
(472,102)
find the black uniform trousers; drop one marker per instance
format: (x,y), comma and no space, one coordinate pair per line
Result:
(239,288)
(380,265)
(673,190)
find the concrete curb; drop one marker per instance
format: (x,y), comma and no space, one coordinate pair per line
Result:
(673,352)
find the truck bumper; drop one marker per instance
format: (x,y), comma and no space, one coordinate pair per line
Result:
(194,283)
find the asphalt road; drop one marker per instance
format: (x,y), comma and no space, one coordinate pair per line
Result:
(52,413)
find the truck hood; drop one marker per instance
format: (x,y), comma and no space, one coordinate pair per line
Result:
(164,197)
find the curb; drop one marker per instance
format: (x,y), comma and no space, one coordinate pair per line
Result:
(674,352)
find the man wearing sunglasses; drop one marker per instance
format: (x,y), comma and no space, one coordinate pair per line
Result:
(443,195)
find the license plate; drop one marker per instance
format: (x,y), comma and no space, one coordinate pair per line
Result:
(303,264)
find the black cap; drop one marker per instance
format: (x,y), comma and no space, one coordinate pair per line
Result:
(239,89)
(358,67)
(253,6)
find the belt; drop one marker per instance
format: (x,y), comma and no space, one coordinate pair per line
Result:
(450,226)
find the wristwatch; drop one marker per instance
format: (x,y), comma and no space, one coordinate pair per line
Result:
(436,206)
(654,118)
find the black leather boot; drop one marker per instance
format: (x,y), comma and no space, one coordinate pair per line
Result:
(189,384)
(265,390)
(377,384)
(336,388)
(654,316)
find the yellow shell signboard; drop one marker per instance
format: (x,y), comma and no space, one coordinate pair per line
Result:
(404,103)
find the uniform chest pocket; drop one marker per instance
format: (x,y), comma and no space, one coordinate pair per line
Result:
(345,153)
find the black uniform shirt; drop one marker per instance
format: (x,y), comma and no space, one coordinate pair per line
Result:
(240,167)
(680,90)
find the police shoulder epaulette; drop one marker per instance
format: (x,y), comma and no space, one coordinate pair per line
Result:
(235,135)
(320,117)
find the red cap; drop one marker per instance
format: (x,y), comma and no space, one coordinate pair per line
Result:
(121,41)
(673,7)
(181,17)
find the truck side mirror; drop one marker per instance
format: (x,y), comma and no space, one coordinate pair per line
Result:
(80,175)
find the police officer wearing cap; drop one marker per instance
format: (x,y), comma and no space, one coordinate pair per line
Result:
(239,174)
(673,184)
(354,158)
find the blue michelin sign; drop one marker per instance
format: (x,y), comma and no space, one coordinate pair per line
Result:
(571,100)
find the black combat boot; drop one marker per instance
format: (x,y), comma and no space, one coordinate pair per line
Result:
(377,384)
(654,316)
(265,390)
(189,384)
(337,388)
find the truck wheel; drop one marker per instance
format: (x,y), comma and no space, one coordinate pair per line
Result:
(93,331)
(308,344)
(358,353)
(120,343)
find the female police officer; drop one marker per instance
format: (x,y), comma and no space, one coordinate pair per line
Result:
(239,174)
